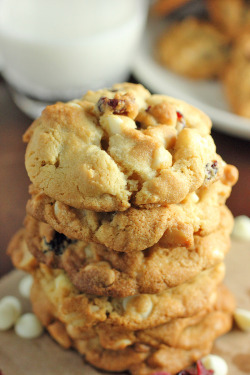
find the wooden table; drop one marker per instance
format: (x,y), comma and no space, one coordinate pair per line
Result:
(14,181)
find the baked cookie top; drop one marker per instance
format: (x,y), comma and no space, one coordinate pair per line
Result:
(131,313)
(193,48)
(118,147)
(94,269)
(138,228)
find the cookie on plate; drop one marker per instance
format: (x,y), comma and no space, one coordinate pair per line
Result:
(121,146)
(231,16)
(236,77)
(94,269)
(193,48)
(131,313)
(137,229)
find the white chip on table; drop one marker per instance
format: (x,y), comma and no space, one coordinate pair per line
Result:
(241,228)
(13,301)
(10,310)
(242,318)
(28,326)
(215,363)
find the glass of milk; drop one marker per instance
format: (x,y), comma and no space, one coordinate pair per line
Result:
(57,49)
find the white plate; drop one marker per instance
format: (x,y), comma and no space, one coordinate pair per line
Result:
(206,95)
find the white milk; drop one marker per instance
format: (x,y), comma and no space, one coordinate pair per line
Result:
(57,49)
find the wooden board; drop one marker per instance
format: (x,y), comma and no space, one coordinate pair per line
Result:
(43,356)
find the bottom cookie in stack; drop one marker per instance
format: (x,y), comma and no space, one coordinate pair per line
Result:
(143,333)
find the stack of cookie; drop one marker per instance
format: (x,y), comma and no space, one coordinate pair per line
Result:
(127,229)
(213,48)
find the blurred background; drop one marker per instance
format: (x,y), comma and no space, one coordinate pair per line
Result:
(44,59)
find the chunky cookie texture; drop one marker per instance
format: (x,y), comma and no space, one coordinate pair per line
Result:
(95,269)
(171,346)
(132,313)
(138,228)
(118,147)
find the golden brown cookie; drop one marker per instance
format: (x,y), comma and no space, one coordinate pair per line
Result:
(193,48)
(236,77)
(121,146)
(137,229)
(134,312)
(231,16)
(170,347)
(94,269)
(164,7)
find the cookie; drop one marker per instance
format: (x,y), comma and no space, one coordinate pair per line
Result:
(164,7)
(134,312)
(170,347)
(121,146)
(231,16)
(193,48)
(236,78)
(94,269)
(137,229)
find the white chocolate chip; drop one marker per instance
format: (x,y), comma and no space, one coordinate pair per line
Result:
(215,363)
(241,228)
(115,124)
(125,301)
(56,209)
(28,326)
(8,316)
(141,305)
(25,286)
(94,308)
(73,104)
(194,197)
(121,344)
(242,318)
(14,302)
(62,283)
(88,251)
(162,158)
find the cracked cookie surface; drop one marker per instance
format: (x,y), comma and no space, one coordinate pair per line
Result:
(118,147)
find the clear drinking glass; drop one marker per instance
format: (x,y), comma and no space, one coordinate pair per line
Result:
(57,49)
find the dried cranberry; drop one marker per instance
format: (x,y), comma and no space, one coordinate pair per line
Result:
(198,370)
(118,106)
(58,244)
(211,169)
(179,116)
(181,122)
(148,109)
(201,370)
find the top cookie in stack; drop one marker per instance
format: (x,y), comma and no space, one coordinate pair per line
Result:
(138,157)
